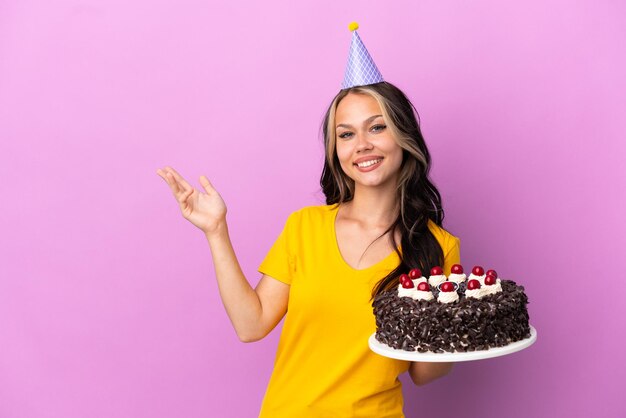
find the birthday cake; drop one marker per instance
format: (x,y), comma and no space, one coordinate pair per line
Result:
(457,313)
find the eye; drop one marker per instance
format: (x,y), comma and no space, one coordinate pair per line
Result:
(345,135)
(378,128)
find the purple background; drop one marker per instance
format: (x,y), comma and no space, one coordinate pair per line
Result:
(108,302)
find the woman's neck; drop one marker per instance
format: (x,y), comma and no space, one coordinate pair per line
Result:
(373,206)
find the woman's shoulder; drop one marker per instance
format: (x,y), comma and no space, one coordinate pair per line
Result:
(316,210)
(446,239)
(313,214)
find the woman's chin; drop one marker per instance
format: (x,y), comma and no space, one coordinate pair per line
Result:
(371,182)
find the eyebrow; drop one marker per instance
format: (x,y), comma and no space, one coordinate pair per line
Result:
(365,122)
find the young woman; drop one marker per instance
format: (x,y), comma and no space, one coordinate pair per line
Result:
(383,217)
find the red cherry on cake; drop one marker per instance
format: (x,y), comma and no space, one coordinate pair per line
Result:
(436,271)
(492,273)
(473,284)
(415,274)
(457,269)
(404,278)
(423,286)
(447,287)
(478,271)
(408,284)
(490,280)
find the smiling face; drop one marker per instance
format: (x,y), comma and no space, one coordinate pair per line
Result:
(366,148)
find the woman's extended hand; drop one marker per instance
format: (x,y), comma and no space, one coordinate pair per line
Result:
(207,210)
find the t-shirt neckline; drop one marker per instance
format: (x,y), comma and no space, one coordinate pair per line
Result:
(338,251)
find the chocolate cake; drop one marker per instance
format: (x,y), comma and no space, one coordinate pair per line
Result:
(451,314)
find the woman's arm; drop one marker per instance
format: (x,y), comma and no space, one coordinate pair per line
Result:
(423,373)
(253,312)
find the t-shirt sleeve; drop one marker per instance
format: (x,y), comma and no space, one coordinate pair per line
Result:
(280,261)
(451,254)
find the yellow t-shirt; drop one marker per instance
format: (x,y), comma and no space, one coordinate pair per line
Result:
(323,366)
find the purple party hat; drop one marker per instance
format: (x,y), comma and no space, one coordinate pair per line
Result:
(361,69)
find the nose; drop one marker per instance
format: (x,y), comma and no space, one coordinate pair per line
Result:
(363,143)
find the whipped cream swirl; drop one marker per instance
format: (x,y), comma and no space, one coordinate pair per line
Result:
(448,297)
(414,294)
(457,278)
(419,280)
(436,280)
(493,289)
(484,290)
(475,293)
(405,293)
(423,295)
(481,279)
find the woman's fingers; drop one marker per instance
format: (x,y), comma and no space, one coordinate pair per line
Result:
(208,187)
(181,181)
(183,196)
(180,188)
(172,181)
(205,211)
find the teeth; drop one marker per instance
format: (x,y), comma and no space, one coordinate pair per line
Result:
(369,163)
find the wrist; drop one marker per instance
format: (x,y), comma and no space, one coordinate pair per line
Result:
(215,231)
